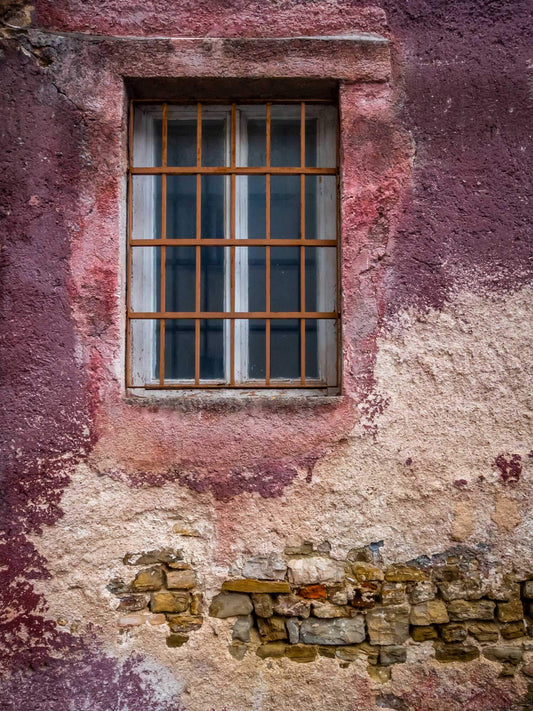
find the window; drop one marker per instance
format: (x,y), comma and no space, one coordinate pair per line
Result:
(232,246)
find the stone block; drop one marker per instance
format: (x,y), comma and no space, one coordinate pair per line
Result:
(455,652)
(196,603)
(328,652)
(365,572)
(453,632)
(301,653)
(461,590)
(388,625)
(132,603)
(241,628)
(263,606)
(421,592)
(350,653)
(484,631)
(148,580)
(165,555)
(117,586)
(503,653)
(379,674)
(393,594)
(176,640)
(230,605)
(169,601)
(365,595)
(513,630)
(271,628)
(432,612)
(404,574)
(315,569)
(459,610)
(293,629)
(238,650)
(394,654)
(527,590)
(511,611)
(528,670)
(305,548)
(423,634)
(184,623)
(265,567)
(292,606)
(181,579)
(251,585)
(338,595)
(313,592)
(271,650)
(328,610)
(338,631)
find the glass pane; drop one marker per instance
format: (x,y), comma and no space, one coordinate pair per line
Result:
(213,204)
(144,350)
(256,349)
(212,349)
(180,278)
(311,349)
(181,137)
(285,135)
(215,143)
(179,349)
(285,348)
(321,350)
(181,206)
(320,278)
(320,136)
(147,135)
(145,278)
(320,206)
(252,124)
(285,206)
(310,141)
(284,278)
(212,279)
(256,277)
(146,207)
(251,201)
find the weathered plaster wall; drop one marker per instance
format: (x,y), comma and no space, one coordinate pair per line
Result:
(430,447)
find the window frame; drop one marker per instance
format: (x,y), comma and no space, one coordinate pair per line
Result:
(235,319)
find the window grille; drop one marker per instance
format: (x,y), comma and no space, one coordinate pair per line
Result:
(232,245)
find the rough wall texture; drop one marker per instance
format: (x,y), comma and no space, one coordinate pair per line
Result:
(428,452)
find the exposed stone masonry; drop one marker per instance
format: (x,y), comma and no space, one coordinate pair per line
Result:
(305,604)
(163,593)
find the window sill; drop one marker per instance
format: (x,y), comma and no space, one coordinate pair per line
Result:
(234,400)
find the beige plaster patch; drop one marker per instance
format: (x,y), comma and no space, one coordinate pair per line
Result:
(506,514)
(457,394)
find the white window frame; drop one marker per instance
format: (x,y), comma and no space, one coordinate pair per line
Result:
(144,332)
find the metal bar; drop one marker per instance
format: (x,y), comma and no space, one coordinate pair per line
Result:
(233,170)
(212,242)
(237,100)
(163,249)
(302,248)
(310,385)
(232,237)
(232,314)
(198,274)
(268,239)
